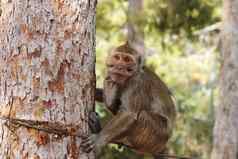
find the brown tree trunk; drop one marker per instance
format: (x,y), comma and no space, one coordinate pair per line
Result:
(47,56)
(136,24)
(226,125)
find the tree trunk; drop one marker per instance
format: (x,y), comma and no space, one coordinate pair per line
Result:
(47,56)
(135,24)
(226,125)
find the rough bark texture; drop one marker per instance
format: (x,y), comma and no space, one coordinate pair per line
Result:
(47,61)
(135,25)
(226,126)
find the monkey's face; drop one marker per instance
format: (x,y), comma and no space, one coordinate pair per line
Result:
(121,66)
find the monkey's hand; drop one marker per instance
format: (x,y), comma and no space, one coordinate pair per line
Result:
(94,123)
(112,94)
(90,143)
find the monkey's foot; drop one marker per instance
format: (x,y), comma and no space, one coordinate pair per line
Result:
(88,143)
(159,157)
(162,155)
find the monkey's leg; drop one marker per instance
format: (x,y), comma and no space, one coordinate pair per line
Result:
(115,129)
(156,131)
(156,121)
(117,126)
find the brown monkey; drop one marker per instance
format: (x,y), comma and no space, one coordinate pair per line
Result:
(144,112)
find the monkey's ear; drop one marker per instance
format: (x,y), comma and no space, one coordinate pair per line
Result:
(127,43)
(111,50)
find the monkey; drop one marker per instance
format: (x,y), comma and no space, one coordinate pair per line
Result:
(142,106)
(94,122)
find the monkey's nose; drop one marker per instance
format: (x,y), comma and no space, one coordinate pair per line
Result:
(120,67)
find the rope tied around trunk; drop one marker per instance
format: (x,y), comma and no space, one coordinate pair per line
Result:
(56,128)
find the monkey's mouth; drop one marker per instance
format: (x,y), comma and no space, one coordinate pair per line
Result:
(125,72)
(120,75)
(118,78)
(122,71)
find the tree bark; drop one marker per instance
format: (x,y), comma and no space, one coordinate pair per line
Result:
(225,144)
(136,25)
(47,57)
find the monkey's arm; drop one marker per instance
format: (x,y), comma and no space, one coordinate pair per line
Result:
(94,123)
(112,94)
(112,103)
(113,130)
(99,95)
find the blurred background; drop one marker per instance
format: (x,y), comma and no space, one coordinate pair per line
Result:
(182,46)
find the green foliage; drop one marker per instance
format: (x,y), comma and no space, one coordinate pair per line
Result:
(187,65)
(174,16)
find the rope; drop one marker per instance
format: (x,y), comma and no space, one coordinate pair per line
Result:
(63,130)
(49,127)
(175,156)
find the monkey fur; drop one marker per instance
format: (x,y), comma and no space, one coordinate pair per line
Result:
(142,107)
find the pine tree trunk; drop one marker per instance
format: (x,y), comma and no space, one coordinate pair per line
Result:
(47,56)
(226,125)
(135,24)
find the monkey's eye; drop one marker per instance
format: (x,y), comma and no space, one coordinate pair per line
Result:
(127,59)
(116,57)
